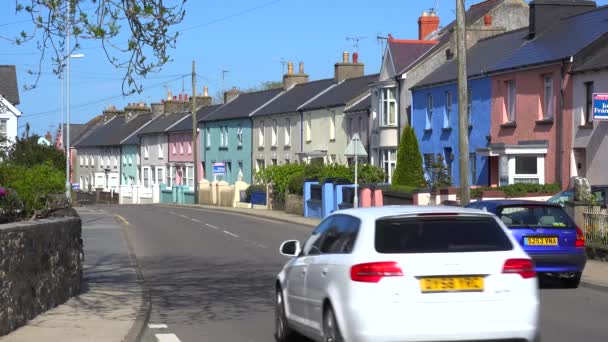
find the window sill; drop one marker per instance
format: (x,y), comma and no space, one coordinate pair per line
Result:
(509,125)
(586,126)
(225,148)
(332,140)
(387,126)
(470,126)
(548,121)
(446,129)
(428,130)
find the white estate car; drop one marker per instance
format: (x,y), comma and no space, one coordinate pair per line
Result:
(408,273)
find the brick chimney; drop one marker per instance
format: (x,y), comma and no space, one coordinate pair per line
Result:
(545,13)
(111,112)
(231,94)
(427,24)
(290,79)
(348,69)
(203,100)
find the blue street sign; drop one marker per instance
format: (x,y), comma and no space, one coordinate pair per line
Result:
(219,169)
(600,106)
(75,186)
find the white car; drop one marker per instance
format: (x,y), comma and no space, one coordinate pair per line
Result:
(407,273)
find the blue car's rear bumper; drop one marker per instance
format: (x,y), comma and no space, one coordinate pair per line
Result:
(552,263)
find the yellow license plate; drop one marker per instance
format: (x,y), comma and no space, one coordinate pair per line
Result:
(451,284)
(540,241)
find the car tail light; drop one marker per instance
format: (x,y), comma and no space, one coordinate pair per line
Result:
(374,271)
(523,267)
(580,238)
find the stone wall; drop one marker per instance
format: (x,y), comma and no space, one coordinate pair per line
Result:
(40,268)
(294,204)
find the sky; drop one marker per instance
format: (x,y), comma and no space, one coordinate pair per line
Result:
(248,38)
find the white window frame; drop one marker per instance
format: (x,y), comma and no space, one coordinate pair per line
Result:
(548,103)
(107,161)
(115,161)
(309,128)
(145,176)
(146,151)
(388,100)
(349,129)
(389,162)
(208,136)
(287,132)
(189,176)
(92,161)
(189,145)
(447,109)
(429,111)
(540,168)
(225,136)
(81,161)
(261,134)
(275,133)
(160,169)
(160,148)
(4,128)
(239,135)
(260,164)
(332,126)
(240,173)
(511,101)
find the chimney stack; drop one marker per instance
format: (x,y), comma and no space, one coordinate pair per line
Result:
(346,69)
(545,13)
(427,24)
(290,79)
(231,94)
(203,100)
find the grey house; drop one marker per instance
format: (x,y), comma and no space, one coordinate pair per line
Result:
(277,127)
(99,154)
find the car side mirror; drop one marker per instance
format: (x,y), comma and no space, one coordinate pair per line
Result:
(290,248)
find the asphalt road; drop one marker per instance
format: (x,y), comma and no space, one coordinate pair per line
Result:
(211,277)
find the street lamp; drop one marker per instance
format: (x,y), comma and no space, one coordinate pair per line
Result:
(68,185)
(356,149)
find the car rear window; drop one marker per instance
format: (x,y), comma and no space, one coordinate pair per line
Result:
(535,216)
(440,234)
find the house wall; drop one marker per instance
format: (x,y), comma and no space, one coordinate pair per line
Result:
(11,124)
(129,165)
(592,138)
(180,150)
(93,174)
(281,151)
(529,97)
(157,158)
(436,140)
(231,154)
(321,135)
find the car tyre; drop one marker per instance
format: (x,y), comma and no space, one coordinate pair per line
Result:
(572,283)
(283,333)
(331,330)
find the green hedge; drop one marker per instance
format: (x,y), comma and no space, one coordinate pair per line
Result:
(518,190)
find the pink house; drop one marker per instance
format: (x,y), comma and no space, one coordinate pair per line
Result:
(181,153)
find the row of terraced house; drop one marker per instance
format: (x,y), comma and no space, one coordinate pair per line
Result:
(532,68)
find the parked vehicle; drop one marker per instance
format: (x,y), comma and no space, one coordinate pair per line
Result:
(599,193)
(407,273)
(546,233)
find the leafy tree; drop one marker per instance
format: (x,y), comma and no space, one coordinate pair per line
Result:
(408,171)
(147,24)
(28,153)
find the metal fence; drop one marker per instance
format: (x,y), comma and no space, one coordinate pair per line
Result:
(596,227)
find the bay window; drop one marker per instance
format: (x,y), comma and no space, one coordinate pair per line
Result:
(388,106)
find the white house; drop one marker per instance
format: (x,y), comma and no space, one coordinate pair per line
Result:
(9,98)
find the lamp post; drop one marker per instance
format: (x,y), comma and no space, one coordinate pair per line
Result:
(68,155)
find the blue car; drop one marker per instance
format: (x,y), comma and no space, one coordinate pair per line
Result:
(547,234)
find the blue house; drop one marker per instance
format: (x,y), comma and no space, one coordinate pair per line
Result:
(435,107)
(226,135)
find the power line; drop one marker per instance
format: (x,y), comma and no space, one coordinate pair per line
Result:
(230,16)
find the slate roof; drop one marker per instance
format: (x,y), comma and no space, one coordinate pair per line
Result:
(244,105)
(597,60)
(564,39)
(115,131)
(364,104)
(89,128)
(480,58)
(8,84)
(289,101)
(342,92)
(186,123)
(475,13)
(405,52)
(75,131)
(162,122)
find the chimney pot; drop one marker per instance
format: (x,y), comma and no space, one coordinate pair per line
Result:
(179,97)
(355,57)
(169,95)
(289,68)
(345,57)
(205,91)
(186,98)
(301,71)
(425,14)
(174,98)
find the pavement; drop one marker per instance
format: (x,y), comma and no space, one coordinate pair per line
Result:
(111,302)
(209,277)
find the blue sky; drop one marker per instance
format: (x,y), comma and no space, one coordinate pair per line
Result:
(246,37)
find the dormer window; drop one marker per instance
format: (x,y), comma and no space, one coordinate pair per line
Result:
(449,55)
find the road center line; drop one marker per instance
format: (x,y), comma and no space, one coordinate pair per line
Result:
(195,220)
(167,338)
(157,326)
(229,233)
(172,213)
(211,226)
(184,216)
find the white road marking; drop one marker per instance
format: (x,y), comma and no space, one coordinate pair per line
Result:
(172,213)
(184,216)
(157,326)
(211,226)
(167,338)
(229,233)
(262,246)
(195,220)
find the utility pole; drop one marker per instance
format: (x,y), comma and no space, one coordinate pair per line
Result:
(463,117)
(194,135)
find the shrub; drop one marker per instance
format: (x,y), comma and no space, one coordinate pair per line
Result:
(369,174)
(279,176)
(409,161)
(296,183)
(519,189)
(27,152)
(11,207)
(439,175)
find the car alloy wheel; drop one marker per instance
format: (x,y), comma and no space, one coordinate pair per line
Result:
(282,330)
(331,331)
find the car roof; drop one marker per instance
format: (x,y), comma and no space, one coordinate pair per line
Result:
(496,203)
(373,213)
